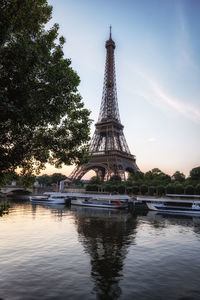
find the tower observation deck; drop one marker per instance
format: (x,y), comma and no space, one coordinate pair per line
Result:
(109,151)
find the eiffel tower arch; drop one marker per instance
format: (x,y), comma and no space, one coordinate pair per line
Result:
(109,152)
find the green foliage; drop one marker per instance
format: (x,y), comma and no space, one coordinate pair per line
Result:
(129,190)
(170,188)
(44,180)
(136,176)
(57,177)
(144,189)
(160,190)
(152,190)
(4,208)
(135,189)
(27,180)
(153,182)
(121,189)
(42,116)
(95,180)
(8,178)
(197,189)
(92,187)
(179,188)
(195,174)
(48,180)
(115,179)
(156,177)
(189,190)
(110,187)
(178,177)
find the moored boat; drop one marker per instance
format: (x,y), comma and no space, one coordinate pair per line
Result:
(83,199)
(102,201)
(176,206)
(38,198)
(48,198)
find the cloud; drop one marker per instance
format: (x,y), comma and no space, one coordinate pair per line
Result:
(152,139)
(184,44)
(159,97)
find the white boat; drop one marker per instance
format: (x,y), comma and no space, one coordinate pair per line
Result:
(104,201)
(176,206)
(48,198)
(95,200)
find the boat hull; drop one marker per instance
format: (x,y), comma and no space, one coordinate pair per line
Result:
(37,199)
(175,210)
(99,204)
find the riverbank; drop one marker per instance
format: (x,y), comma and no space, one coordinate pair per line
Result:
(4,208)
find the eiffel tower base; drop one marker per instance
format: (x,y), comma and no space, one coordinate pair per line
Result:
(107,165)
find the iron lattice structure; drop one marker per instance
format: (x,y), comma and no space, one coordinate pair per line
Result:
(109,152)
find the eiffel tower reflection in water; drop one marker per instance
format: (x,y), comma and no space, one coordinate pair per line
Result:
(106,236)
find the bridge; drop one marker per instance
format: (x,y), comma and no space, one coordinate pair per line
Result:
(14,190)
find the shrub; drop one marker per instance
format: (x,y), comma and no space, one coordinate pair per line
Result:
(189,190)
(197,189)
(151,190)
(121,189)
(144,189)
(179,189)
(92,187)
(160,190)
(170,189)
(135,190)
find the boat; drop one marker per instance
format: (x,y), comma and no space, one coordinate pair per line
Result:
(83,199)
(49,198)
(102,201)
(183,196)
(176,206)
(95,200)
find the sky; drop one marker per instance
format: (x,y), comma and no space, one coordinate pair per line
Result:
(157,60)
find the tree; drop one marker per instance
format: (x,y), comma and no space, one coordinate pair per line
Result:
(195,174)
(170,188)
(135,189)
(42,116)
(44,180)
(95,180)
(115,179)
(57,177)
(160,190)
(189,190)
(136,176)
(92,187)
(156,177)
(151,190)
(178,177)
(197,189)
(144,189)
(121,188)
(179,189)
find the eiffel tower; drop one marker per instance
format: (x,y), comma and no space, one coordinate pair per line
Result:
(109,152)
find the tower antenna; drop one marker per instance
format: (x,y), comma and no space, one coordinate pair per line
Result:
(110,32)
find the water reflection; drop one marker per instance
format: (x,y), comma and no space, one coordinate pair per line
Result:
(127,255)
(106,236)
(163,220)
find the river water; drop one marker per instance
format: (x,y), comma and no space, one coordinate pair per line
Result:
(57,252)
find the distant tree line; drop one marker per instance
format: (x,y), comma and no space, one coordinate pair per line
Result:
(29,180)
(154,182)
(48,180)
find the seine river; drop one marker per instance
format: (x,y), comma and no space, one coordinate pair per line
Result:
(55,252)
